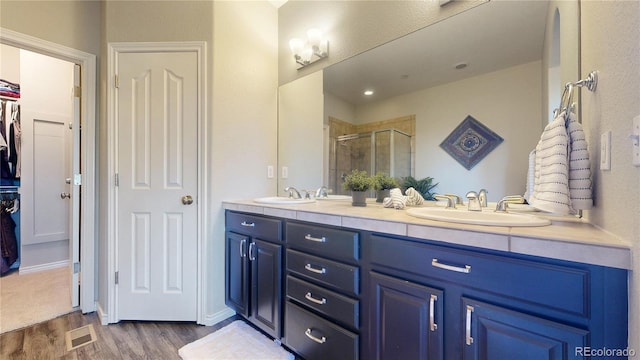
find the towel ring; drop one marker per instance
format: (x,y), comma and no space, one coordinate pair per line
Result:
(590,82)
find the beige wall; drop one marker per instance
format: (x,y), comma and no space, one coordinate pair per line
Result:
(611,44)
(75,24)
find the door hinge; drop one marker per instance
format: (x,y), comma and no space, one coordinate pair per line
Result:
(116,179)
(117,278)
(116,82)
(77,91)
(76,267)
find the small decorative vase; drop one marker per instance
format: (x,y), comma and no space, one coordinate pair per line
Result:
(383,194)
(359,198)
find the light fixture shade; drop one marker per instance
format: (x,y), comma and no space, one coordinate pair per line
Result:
(296,46)
(306,54)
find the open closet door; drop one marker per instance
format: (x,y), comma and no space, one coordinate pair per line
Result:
(75,181)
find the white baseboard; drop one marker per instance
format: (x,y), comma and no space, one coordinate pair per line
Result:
(43,267)
(102,315)
(212,319)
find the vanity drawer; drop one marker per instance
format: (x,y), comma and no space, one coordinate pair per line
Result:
(316,338)
(337,244)
(254,226)
(340,308)
(326,272)
(524,280)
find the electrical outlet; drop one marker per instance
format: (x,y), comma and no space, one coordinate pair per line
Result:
(270,172)
(285,172)
(605,151)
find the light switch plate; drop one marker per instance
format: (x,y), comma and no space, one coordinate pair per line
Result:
(635,137)
(605,151)
(285,172)
(270,172)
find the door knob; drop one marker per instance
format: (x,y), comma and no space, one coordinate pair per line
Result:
(187,200)
(65,196)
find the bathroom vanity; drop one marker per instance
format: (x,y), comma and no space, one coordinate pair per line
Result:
(337,282)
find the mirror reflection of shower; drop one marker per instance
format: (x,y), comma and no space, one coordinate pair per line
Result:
(385,151)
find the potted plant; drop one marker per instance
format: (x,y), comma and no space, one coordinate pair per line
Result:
(358,182)
(423,186)
(383,183)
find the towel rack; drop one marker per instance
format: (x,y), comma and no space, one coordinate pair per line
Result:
(590,82)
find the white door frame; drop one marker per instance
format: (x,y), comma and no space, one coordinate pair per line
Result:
(88,234)
(199,47)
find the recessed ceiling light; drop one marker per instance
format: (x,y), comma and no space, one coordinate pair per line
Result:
(368,92)
(461,65)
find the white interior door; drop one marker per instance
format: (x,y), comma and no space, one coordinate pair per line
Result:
(157,144)
(74,186)
(47,142)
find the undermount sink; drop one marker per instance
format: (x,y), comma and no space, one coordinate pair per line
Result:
(477,217)
(281,200)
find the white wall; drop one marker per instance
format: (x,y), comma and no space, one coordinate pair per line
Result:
(611,44)
(498,100)
(244,118)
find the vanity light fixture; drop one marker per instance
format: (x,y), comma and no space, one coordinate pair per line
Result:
(307,52)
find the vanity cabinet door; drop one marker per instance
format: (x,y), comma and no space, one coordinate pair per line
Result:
(493,332)
(406,319)
(237,273)
(266,289)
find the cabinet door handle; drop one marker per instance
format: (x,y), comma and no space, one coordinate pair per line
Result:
(243,242)
(310,267)
(321,340)
(244,223)
(432,323)
(252,247)
(469,339)
(310,297)
(311,238)
(466,269)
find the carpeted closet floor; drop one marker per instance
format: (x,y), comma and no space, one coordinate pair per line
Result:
(34,297)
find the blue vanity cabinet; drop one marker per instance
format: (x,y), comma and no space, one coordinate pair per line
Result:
(322,309)
(488,304)
(253,270)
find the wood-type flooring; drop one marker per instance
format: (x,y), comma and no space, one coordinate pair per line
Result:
(124,340)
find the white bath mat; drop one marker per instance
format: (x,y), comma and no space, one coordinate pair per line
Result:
(236,341)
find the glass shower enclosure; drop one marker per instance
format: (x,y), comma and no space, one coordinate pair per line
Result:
(385,151)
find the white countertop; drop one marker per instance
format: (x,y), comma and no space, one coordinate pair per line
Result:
(567,238)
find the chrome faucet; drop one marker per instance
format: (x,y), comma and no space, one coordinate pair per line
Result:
(482,197)
(451,201)
(511,199)
(322,192)
(456,198)
(474,203)
(293,192)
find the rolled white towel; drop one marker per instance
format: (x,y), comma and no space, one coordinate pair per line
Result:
(413,197)
(396,200)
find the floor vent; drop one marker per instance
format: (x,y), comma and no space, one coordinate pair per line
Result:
(80,337)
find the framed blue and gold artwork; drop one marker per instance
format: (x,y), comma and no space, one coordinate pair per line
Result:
(470,142)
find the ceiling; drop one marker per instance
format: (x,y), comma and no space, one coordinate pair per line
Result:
(489,37)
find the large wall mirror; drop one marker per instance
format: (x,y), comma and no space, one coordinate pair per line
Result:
(503,63)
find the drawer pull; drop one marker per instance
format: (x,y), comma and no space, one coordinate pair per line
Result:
(310,297)
(321,340)
(432,323)
(309,267)
(244,223)
(311,238)
(469,339)
(466,269)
